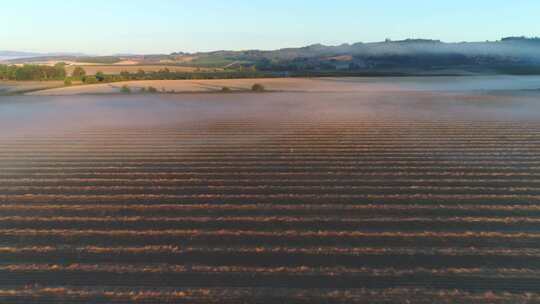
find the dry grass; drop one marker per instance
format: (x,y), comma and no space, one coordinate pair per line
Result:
(13,87)
(257,295)
(217,85)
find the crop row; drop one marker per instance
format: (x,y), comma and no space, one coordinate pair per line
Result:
(108,237)
(139,148)
(307,180)
(295,271)
(436,133)
(276,191)
(299,210)
(284,198)
(281,139)
(398,257)
(283,175)
(516,280)
(287,158)
(277,161)
(383,137)
(282,219)
(352,251)
(361,146)
(243,182)
(102,295)
(319,127)
(276,224)
(325,133)
(418,151)
(283,169)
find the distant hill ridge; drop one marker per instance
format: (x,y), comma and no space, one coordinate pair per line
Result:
(508,55)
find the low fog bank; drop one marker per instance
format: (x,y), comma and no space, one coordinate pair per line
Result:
(505,98)
(322,85)
(52,115)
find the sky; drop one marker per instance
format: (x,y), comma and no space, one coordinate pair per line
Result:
(103,27)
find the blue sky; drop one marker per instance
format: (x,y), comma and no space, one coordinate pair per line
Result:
(163,26)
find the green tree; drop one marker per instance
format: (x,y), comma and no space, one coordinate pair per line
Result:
(90,79)
(125,75)
(78,72)
(60,70)
(4,74)
(100,76)
(141,74)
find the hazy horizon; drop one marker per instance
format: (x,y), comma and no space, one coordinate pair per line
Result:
(165,26)
(83,53)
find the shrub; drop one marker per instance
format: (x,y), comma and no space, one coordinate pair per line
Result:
(78,72)
(67,82)
(125,75)
(257,88)
(225,89)
(90,79)
(100,76)
(125,89)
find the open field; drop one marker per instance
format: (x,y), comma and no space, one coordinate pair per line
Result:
(407,195)
(14,87)
(314,85)
(211,85)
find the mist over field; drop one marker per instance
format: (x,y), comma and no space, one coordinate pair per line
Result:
(314,195)
(256,152)
(485,98)
(488,98)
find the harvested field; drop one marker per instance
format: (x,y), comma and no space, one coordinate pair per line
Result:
(14,87)
(317,85)
(360,197)
(211,85)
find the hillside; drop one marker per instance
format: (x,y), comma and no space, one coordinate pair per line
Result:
(512,55)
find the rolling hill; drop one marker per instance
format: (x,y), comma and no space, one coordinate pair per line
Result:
(511,55)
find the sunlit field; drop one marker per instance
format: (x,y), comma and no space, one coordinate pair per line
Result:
(411,192)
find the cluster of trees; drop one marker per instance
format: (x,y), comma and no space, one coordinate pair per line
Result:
(79,74)
(126,89)
(33,72)
(166,74)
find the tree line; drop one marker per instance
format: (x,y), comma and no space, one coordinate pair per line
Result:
(79,75)
(164,74)
(58,72)
(33,72)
